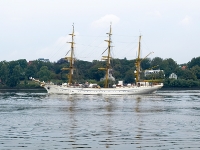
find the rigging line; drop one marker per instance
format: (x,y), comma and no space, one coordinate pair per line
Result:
(89,53)
(95,40)
(134,40)
(90,36)
(56,52)
(112,53)
(129,54)
(59,43)
(91,50)
(85,48)
(125,47)
(128,44)
(145,44)
(132,43)
(128,51)
(125,42)
(126,35)
(67,52)
(104,51)
(89,45)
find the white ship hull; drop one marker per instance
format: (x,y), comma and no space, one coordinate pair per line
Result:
(55,89)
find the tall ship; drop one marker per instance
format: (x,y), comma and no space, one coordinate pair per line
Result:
(140,86)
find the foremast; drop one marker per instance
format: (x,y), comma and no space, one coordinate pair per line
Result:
(107,58)
(70,59)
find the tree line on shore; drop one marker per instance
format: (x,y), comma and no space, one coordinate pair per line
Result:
(15,74)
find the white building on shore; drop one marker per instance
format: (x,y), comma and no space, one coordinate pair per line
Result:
(173,76)
(148,72)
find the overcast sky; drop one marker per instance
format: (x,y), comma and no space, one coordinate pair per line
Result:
(32,29)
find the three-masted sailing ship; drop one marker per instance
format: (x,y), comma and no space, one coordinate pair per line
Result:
(141,87)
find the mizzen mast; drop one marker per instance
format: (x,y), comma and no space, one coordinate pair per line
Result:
(107,58)
(137,63)
(70,59)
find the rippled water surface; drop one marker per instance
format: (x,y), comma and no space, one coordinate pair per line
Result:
(38,121)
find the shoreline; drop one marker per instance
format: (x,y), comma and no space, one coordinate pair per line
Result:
(178,88)
(17,89)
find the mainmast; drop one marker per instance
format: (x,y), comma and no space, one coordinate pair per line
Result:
(70,59)
(108,57)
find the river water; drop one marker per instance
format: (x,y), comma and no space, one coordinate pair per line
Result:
(38,121)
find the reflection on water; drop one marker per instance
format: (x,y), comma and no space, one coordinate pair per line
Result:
(166,120)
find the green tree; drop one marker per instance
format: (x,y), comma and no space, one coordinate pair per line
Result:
(196,71)
(194,62)
(189,75)
(157,61)
(169,66)
(129,77)
(179,72)
(4,73)
(145,63)
(31,71)
(14,77)
(44,74)
(23,63)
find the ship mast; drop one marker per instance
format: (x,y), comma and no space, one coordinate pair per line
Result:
(108,57)
(70,59)
(137,63)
